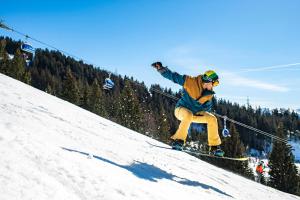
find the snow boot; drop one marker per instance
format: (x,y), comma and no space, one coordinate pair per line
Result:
(216,151)
(177,144)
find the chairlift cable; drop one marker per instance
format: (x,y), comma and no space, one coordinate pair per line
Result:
(2,25)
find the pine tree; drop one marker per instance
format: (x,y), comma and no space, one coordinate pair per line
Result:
(150,127)
(70,88)
(3,57)
(96,101)
(26,77)
(94,97)
(49,89)
(164,126)
(233,147)
(85,101)
(128,110)
(284,175)
(16,67)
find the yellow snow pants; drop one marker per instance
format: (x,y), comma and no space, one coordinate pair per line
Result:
(186,117)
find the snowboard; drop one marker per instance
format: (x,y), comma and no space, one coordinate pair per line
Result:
(199,153)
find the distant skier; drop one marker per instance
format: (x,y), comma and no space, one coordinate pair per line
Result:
(194,106)
(259,171)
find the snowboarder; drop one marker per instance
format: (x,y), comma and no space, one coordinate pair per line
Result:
(194,106)
(259,171)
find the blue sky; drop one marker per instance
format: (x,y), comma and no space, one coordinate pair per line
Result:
(253,45)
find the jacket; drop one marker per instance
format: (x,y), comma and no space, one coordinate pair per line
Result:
(259,169)
(194,97)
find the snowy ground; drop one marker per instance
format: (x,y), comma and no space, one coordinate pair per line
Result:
(51,149)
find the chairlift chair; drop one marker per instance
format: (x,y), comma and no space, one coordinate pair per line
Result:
(108,83)
(26,47)
(28,52)
(225,131)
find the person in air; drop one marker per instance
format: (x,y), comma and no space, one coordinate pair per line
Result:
(260,170)
(194,106)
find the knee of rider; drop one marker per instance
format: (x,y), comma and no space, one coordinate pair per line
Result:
(188,116)
(212,119)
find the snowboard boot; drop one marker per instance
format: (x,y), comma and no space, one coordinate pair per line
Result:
(177,144)
(216,151)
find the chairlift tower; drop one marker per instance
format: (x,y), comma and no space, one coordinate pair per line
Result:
(248,102)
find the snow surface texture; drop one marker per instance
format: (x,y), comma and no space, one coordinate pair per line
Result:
(51,149)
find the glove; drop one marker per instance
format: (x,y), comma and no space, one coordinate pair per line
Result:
(157,65)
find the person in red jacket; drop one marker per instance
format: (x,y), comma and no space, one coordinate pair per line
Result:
(260,170)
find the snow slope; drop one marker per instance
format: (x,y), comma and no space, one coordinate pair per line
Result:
(51,149)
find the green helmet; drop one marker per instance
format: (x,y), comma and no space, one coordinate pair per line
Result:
(211,76)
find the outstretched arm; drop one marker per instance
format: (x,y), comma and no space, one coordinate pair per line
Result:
(168,74)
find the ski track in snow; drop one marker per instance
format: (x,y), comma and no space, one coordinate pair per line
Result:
(51,149)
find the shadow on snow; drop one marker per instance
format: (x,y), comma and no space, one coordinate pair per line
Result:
(152,173)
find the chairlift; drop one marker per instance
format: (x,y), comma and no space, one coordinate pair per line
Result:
(27,49)
(225,131)
(108,83)
(28,52)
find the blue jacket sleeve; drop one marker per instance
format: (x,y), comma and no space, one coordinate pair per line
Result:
(173,76)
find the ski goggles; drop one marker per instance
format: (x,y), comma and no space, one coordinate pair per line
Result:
(207,79)
(215,83)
